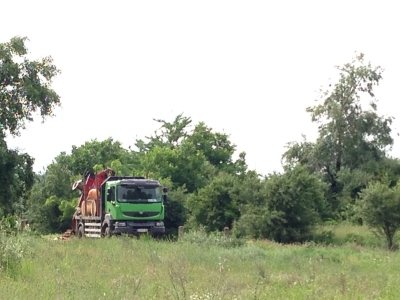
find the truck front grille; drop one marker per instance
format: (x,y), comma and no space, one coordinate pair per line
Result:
(139,214)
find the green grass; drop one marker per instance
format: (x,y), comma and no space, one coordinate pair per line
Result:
(126,268)
(347,233)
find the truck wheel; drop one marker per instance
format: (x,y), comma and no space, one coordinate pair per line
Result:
(81,232)
(107,232)
(157,236)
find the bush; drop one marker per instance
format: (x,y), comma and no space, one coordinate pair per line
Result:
(8,225)
(13,245)
(293,206)
(11,253)
(325,237)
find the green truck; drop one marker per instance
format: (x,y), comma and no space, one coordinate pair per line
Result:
(113,205)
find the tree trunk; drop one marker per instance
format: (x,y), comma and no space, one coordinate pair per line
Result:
(389,237)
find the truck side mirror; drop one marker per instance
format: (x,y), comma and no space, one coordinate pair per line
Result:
(165,198)
(165,189)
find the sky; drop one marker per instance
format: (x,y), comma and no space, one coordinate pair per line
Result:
(246,68)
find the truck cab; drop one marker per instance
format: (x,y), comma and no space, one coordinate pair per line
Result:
(133,205)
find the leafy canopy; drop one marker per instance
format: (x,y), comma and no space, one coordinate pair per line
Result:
(25,86)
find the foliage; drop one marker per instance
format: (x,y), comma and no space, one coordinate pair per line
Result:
(52,202)
(334,176)
(216,147)
(350,134)
(16,178)
(379,206)
(11,253)
(175,210)
(102,153)
(8,224)
(213,206)
(13,246)
(294,203)
(25,87)
(168,135)
(182,164)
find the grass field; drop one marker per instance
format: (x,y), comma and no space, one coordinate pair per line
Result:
(126,268)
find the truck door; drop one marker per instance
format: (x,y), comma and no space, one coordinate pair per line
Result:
(111,203)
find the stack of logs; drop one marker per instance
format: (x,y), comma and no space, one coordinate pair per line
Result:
(89,206)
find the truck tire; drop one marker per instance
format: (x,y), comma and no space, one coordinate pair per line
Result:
(107,232)
(81,232)
(158,236)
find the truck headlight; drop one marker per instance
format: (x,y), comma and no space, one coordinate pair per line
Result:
(120,224)
(159,224)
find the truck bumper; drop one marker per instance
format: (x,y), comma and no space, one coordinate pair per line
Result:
(138,230)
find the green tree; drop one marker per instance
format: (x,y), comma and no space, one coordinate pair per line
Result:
(213,205)
(175,211)
(379,206)
(350,132)
(182,164)
(354,181)
(293,204)
(25,86)
(102,153)
(16,179)
(249,189)
(216,147)
(170,134)
(52,202)
(58,180)
(190,154)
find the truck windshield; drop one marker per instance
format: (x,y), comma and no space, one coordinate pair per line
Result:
(136,194)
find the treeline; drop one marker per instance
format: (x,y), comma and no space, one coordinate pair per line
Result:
(346,174)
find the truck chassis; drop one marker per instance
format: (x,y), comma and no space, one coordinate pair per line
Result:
(96,227)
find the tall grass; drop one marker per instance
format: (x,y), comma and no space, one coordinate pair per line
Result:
(196,268)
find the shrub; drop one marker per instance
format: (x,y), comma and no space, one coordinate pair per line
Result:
(8,225)
(11,253)
(293,206)
(325,237)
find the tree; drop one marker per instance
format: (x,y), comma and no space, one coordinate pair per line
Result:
(354,181)
(354,135)
(379,206)
(52,202)
(350,134)
(102,153)
(58,180)
(216,147)
(302,153)
(16,179)
(182,164)
(25,87)
(213,206)
(293,204)
(170,134)
(188,156)
(175,211)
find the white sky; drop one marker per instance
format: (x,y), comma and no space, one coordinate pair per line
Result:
(248,68)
